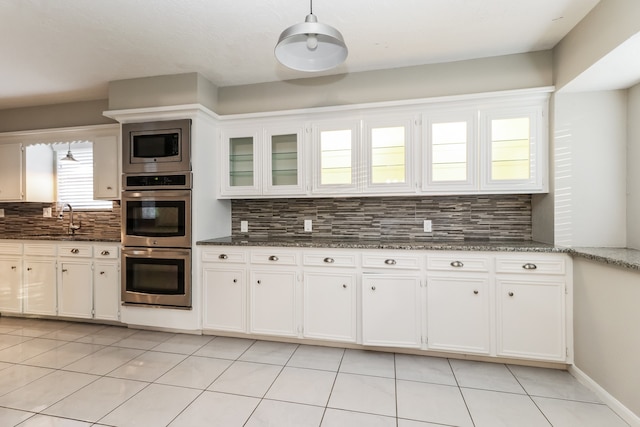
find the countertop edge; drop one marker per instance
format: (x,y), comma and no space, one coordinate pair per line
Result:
(619,257)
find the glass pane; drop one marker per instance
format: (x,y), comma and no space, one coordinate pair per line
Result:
(284,159)
(449,151)
(335,157)
(510,155)
(388,155)
(241,162)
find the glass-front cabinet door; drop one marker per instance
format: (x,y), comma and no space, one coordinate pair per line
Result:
(512,148)
(335,157)
(240,162)
(284,160)
(389,158)
(449,153)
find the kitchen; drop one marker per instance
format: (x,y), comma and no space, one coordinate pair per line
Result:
(523,71)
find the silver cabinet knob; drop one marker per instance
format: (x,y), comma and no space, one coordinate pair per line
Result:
(109,187)
(529,266)
(102,273)
(64,270)
(373,288)
(457,264)
(222,256)
(273,258)
(13,267)
(236,281)
(390,261)
(475,292)
(259,282)
(29,268)
(344,286)
(329,260)
(105,253)
(510,294)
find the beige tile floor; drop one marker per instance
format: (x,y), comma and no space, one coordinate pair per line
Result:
(61,374)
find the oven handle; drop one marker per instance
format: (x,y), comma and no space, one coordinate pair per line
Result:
(153,252)
(156,194)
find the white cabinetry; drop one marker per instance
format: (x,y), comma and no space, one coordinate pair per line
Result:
(531,312)
(39,286)
(10,277)
(263,160)
(274,292)
(11,172)
(224,276)
(392,299)
(106,168)
(106,282)
(330,295)
(459,303)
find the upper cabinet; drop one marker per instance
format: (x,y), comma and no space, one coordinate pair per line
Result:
(470,145)
(263,160)
(10,172)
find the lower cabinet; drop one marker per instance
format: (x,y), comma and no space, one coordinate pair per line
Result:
(11,284)
(273,302)
(330,306)
(391,310)
(75,289)
(225,296)
(39,286)
(458,314)
(106,289)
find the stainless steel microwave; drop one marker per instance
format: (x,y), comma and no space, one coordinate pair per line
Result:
(163,146)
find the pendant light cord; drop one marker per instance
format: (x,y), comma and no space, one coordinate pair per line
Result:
(311,6)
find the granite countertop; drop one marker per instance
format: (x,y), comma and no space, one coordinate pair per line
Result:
(353,243)
(60,238)
(621,257)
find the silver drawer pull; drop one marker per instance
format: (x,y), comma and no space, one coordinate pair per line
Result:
(273,258)
(529,266)
(390,261)
(75,251)
(222,256)
(329,260)
(457,264)
(105,253)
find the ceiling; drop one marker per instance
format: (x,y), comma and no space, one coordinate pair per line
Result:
(68,50)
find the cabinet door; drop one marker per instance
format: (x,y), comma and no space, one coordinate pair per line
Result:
(388,144)
(330,306)
(531,317)
(75,289)
(284,160)
(106,168)
(391,310)
(458,316)
(225,299)
(513,145)
(11,285)
(273,302)
(241,171)
(10,172)
(40,286)
(335,157)
(449,158)
(106,290)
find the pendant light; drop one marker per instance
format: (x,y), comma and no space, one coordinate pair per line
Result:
(311,46)
(69,157)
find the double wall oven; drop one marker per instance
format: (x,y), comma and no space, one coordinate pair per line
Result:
(156,215)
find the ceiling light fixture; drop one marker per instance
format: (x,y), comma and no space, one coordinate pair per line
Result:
(69,157)
(311,46)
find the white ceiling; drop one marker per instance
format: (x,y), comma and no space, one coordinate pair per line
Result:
(67,50)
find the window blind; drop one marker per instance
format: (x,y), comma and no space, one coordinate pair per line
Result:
(75,179)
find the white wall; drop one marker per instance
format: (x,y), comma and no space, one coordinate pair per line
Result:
(590,137)
(633,168)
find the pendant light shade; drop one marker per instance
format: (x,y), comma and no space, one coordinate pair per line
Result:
(69,157)
(311,46)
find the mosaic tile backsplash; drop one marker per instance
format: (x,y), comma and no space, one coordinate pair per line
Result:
(454,218)
(25,219)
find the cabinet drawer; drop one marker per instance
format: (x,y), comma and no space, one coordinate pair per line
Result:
(11,248)
(458,262)
(224,255)
(75,251)
(531,265)
(392,261)
(105,252)
(39,249)
(274,257)
(329,259)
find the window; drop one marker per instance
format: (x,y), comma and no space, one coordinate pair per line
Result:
(75,179)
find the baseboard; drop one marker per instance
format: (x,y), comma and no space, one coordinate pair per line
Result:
(632,419)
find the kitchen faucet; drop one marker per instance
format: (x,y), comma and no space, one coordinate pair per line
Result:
(72,227)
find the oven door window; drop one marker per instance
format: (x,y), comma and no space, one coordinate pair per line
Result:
(150,218)
(156,276)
